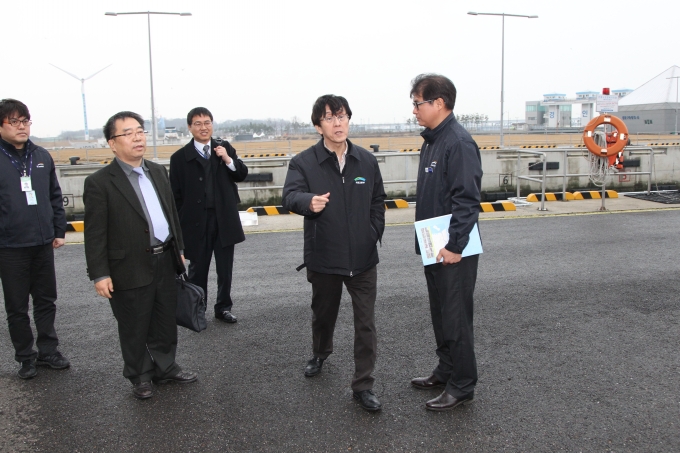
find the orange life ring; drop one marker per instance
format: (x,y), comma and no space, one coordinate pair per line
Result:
(612,148)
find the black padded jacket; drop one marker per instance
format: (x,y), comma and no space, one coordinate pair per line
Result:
(341,239)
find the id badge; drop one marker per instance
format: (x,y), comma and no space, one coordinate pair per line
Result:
(31,198)
(26,184)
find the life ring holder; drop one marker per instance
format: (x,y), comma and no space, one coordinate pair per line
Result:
(615,148)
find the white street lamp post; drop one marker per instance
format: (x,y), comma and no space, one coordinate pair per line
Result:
(153,111)
(502,53)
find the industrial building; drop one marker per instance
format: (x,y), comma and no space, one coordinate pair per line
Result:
(652,108)
(555,110)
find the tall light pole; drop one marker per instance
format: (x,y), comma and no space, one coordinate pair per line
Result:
(502,53)
(148,21)
(676,102)
(82,90)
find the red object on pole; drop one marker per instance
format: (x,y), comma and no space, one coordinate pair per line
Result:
(605,90)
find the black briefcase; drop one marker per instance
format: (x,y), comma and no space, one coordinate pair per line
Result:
(190,305)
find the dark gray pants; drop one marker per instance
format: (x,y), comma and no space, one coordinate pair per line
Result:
(326,295)
(24,271)
(146,324)
(451,289)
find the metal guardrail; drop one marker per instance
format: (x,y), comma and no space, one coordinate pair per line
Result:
(542,177)
(281,161)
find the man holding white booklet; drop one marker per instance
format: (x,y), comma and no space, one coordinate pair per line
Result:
(449,182)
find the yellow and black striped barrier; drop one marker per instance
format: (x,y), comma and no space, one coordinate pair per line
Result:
(538,146)
(264,155)
(78,226)
(498,206)
(410,150)
(664,144)
(490,147)
(278,210)
(268,210)
(396,204)
(550,196)
(595,195)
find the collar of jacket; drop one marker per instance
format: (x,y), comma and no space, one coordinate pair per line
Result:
(323,154)
(190,150)
(29,147)
(430,135)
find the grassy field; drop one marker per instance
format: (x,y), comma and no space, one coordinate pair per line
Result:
(386,142)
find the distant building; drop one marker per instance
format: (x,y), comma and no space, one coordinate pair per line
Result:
(653,107)
(555,110)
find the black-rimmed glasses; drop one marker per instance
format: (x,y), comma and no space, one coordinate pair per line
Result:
(416,105)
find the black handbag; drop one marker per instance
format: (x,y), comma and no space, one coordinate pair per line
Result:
(190,305)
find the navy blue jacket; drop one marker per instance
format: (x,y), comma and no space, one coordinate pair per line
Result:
(449,180)
(22,225)
(341,239)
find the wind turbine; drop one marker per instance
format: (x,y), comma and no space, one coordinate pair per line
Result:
(82,90)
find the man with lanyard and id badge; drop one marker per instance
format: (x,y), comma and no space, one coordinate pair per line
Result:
(32,225)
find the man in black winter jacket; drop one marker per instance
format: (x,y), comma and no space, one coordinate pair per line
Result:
(338,187)
(449,182)
(32,225)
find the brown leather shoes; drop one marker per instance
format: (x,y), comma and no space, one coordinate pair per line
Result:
(142,390)
(426,383)
(445,402)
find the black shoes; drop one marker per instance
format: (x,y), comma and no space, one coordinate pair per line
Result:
(55,360)
(28,369)
(445,402)
(367,400)
(142,390)
(426,383)
(183,377)
(225,316)
(314,366)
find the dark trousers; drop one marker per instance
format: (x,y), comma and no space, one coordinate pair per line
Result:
(451,289)
(147,326)
(326,294)
(24,271)
(199,266)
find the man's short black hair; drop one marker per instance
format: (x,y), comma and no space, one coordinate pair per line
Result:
(434,86)
(110,126)
(9,107)
(198,111)
(335,103)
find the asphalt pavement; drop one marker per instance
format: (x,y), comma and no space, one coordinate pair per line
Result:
(577,326)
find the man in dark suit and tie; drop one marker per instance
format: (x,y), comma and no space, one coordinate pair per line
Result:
(203,176)
(133,246)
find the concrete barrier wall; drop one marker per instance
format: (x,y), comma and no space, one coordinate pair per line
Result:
(399,171)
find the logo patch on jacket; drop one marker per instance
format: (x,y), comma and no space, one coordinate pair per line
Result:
(40,165)
(360,180)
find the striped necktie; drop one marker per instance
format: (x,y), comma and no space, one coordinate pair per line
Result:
(206,152)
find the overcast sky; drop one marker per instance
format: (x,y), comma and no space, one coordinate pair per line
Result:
(272,59)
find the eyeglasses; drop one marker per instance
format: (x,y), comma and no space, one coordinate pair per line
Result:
(204,123)
(130,134)
(416,105)
(15,122)
(330,119)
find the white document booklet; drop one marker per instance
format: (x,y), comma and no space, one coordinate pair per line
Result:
(433,235)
